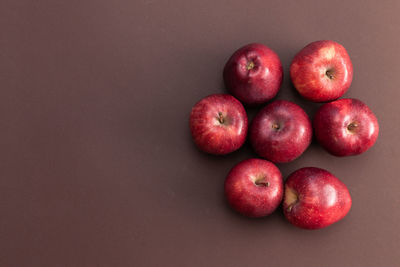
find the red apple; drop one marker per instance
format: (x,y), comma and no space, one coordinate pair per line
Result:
(346,127)
(314,198)
(254,187)
(253,74)
(281,131)
(322,71)
(218,124)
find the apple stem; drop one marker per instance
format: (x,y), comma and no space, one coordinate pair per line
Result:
(220,117)
(329,73)
(289,209)
(275,126)
(263,183)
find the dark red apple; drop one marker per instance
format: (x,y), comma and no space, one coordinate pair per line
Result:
(281,131)
(322,71)
(218,124)
(254,187)
(346,127)
(253,74)
(314,198)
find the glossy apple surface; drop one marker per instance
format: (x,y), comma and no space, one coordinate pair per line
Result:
(322,71)
(253,74)
(254,187)
(281,131)
(314,198)
(218,124)
(346,127)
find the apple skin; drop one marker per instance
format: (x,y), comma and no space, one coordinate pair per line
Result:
(322,71)
(218,124)
(345,127)
(281,131)
(254,187)
(253,74)
(314,198)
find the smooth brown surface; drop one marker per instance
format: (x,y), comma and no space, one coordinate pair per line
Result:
(97,163)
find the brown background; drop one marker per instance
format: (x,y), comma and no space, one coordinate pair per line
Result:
(97,164)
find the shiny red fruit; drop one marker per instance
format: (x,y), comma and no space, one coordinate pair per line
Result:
(281,131)
(218,124)
(253,74)
(322,71)
(254,187)
(346,127)
(314,198)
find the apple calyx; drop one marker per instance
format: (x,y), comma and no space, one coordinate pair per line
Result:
(250,65)
(352,127)
(329,73)
(261,181)
(291,198)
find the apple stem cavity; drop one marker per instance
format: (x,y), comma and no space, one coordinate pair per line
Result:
(250,65)
(291,198)
(275,126)
(352,126)
(329,73)
(221,118)
(261,182)
(266,184)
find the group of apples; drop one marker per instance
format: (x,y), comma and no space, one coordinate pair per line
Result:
(322,71)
